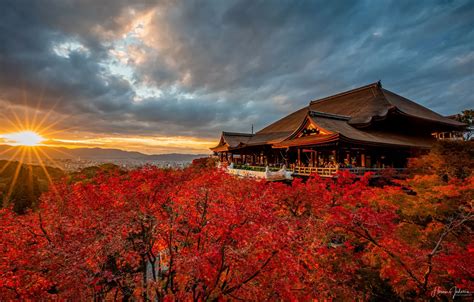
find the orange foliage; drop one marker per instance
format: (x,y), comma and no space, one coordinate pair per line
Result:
(200,234)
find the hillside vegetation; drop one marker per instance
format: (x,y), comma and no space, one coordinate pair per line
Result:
(199,234)
(22,184)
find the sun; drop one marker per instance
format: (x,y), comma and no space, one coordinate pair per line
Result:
(24,138)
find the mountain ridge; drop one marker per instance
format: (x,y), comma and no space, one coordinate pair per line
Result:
(12,153)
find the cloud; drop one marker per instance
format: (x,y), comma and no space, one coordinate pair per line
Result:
(194,68)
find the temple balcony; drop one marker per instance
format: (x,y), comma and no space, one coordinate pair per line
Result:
(260,172)
(276,174)
(331,172)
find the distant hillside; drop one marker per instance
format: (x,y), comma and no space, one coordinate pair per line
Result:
(8,152)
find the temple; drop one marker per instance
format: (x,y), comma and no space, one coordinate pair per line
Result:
(365,129)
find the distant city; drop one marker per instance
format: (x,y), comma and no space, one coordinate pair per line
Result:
(76,159)
(71,165)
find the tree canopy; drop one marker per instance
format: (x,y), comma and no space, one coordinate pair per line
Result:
(200,234)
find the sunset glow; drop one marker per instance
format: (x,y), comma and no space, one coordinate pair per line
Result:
(236,150)
(24,138)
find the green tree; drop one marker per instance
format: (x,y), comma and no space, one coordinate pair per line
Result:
(23,192)
(467,117)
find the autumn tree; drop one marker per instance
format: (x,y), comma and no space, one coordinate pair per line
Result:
(447,159)
(388,243)
(201,234)
(150,233)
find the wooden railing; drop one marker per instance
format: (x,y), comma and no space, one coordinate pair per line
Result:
(325,172)
(330,172)
(259,171)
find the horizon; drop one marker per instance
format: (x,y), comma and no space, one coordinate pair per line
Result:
(160,78)
(97,148)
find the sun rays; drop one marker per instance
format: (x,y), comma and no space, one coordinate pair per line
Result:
(26,136)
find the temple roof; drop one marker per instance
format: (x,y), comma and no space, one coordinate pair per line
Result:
(345,132)
(231,140)
(307,140)
(372,102)
(347,114)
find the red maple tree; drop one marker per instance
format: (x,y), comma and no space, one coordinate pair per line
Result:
(200,234)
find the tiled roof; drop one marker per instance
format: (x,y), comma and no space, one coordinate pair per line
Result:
(347,114)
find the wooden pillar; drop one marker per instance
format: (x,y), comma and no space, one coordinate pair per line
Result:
(312,158)
(362,159)
(299,157)
(316,154)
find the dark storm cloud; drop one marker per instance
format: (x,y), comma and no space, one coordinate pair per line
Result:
(228,64)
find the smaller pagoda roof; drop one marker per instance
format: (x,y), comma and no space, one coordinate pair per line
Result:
(231,140)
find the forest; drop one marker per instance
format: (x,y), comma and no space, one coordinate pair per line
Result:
(199,234)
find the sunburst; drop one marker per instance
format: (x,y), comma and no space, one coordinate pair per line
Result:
(24,138)
(27,141)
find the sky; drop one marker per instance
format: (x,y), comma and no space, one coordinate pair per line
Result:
(169,76)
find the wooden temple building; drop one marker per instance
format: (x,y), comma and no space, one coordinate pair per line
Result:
(365,129)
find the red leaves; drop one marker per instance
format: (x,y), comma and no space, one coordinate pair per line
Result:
(202,234)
